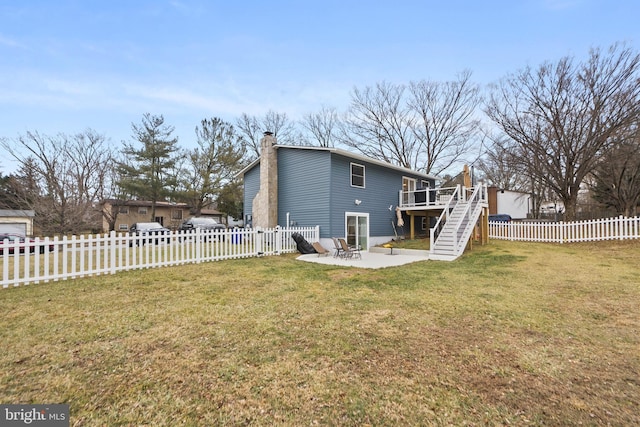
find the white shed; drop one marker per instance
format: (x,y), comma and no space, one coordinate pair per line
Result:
(514,203)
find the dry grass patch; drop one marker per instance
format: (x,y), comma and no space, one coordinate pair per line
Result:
(511,333)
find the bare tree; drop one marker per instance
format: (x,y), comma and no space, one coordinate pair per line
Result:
(428,126)
(284,130)
(561,116)
(322,126)
(616,177)
(379,125)
(499,170)
(252,128)
(251,131)
(445,124)
(62,178)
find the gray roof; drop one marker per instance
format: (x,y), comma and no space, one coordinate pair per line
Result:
(12,213)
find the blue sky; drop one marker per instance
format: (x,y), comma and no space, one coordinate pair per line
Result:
(69,65)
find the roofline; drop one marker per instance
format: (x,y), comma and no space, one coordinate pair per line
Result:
(344,153)
(129,202)
(14,213)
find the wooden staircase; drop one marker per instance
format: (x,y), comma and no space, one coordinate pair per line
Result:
(455,225)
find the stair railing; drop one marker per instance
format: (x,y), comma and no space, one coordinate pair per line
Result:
(442,219)
(475,202)
(472,206)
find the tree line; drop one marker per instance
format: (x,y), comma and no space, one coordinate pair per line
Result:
(548,131)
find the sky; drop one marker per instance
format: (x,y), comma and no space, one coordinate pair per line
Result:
(71,65)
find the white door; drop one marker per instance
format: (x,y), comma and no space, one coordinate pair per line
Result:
(408,191)
(357,229)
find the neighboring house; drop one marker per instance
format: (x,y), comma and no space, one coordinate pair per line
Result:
(15,221)
(347,195)
(514,203)
(128,212)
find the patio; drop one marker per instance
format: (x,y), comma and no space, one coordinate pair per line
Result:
(374,258)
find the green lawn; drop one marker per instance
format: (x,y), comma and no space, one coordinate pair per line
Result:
(510,334)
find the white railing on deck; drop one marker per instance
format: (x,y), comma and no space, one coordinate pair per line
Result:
(45,260)
(567,232)
(427,197)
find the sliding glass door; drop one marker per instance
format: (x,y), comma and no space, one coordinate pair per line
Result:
(357,229)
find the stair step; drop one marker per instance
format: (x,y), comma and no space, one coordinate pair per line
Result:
(450,242)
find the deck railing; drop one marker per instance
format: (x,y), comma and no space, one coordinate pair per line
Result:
(427,197)
(46,260)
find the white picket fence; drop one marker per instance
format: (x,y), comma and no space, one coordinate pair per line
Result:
(46,260)
(566,232)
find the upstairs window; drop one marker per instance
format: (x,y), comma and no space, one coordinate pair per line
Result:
(357,175)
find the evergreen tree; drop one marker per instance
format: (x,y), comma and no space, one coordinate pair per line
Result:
(147,172)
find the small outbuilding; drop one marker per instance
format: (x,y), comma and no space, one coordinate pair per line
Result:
(16,221)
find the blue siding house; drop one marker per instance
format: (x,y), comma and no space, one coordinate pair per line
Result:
(347,195)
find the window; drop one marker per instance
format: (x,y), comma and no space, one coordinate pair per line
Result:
(123,210)
(123,227)
(142,211)
(176,214)
(408,191)
(357,175)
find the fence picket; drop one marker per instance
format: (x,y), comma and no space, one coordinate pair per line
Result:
(564,232)
(92,255)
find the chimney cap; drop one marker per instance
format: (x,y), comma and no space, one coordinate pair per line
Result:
(268,133)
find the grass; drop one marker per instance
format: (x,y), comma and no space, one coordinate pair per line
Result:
(511,333)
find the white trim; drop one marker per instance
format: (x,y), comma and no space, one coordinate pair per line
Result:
(359,214)
(364,175)
(410,179)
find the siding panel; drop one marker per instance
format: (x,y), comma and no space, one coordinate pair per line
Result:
(381,190)
(302,188)
(251,188)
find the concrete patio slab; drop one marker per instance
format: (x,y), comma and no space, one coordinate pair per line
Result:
(371,259)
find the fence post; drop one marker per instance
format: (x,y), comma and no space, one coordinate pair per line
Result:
(277,236)
(258,234)
(113,261)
